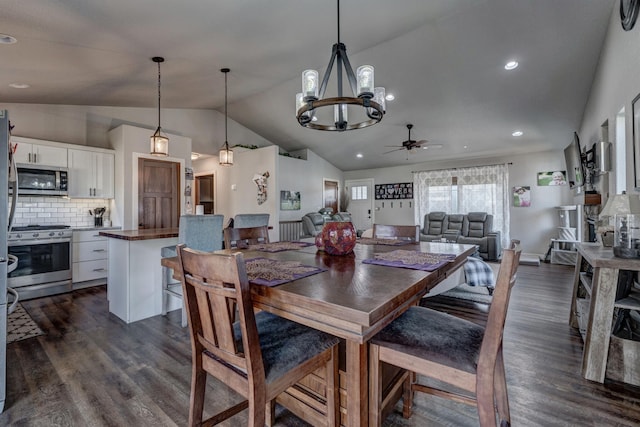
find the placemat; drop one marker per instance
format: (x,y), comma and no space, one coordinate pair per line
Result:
(271,272)
(389,242)
(414,260)
(279,246)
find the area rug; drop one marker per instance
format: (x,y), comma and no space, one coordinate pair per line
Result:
(470,293)
(21,326)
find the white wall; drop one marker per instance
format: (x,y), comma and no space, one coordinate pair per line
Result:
(286,173)
(616,84)
(132,143)
(534,225)
(307,177)
(89,125)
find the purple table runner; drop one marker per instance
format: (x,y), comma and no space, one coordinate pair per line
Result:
(414,260)
(270,272)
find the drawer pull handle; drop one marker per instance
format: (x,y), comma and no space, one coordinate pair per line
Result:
(99,269)
(98,250)
(96,235)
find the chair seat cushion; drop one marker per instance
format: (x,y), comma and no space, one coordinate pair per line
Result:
(433,335)
(286,344)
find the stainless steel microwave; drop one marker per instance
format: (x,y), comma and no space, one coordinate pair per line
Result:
(39,180)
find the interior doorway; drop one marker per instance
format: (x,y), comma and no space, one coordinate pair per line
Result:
(205,192)
(331,195)
(158,193)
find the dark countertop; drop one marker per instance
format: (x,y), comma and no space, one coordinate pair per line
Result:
(142,234)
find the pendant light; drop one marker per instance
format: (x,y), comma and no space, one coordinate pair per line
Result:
(226,154)
(371,99)
(159,142)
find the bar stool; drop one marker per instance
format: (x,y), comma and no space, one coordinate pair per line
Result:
(200,232)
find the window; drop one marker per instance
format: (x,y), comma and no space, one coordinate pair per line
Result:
(359,192)
(464,190)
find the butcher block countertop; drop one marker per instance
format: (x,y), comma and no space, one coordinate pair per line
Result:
(142,234)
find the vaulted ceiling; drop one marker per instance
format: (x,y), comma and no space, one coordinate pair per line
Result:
(442,59)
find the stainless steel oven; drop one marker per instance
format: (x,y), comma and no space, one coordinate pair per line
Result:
(44,260)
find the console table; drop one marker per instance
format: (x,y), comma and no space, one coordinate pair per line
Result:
(592,308)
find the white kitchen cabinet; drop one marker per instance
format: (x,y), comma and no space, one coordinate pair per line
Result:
(91,173)
(40,153)
(90,258)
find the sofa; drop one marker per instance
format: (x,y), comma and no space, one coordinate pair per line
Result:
(312,224)
(474,228)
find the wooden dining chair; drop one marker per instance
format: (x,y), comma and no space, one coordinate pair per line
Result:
(381,231)
(450,350)
(259,356)
(237,238)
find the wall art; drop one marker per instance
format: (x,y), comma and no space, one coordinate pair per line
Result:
(289,200)
(394,191)
(522,196)
(552,178)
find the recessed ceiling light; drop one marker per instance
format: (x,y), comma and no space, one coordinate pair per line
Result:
(359,155)
(435,146)
(7,39)
(19,85)
(517,133)
(390,97)
(511,65)
(465,147)
(195,156)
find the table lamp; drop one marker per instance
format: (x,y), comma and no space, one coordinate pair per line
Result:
(625,208)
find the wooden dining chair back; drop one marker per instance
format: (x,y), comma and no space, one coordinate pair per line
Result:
(238,238)
(381,231)
(450,350)
(260,355)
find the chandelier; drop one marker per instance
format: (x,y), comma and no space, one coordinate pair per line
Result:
(371,99)
(159,142)
(226,154)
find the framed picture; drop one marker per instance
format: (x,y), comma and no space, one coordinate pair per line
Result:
(552,178)
(394,191)
(635,109)
(522,197)
(289,200)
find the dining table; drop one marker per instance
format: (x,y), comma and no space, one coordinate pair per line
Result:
(352,297)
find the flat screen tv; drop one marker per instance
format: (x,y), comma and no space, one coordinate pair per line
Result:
(575,166)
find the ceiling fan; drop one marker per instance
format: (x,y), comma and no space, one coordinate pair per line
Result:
(411,144)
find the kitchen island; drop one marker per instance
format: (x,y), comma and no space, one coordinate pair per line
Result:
(134,287)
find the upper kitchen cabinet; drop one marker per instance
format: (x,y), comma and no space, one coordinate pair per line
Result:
(39,152)
(91,173)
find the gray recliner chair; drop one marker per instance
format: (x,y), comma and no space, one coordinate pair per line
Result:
(478,230)
(312,224)
(434,227)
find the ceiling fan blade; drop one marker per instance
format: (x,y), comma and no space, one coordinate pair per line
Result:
(422,141)
(397,149)
(395,146)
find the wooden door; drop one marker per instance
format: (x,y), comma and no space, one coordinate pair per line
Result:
(331,195)
(158,198)
(205,193)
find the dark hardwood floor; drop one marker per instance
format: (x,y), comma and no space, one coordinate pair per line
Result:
(91,369)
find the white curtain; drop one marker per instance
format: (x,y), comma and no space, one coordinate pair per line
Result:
(463,190)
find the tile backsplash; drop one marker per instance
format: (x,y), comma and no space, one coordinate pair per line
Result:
(57,210)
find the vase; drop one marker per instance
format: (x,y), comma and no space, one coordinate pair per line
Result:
(337,238)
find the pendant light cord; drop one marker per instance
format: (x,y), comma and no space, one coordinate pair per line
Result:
(158,94)
(226,143)
(338,21)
